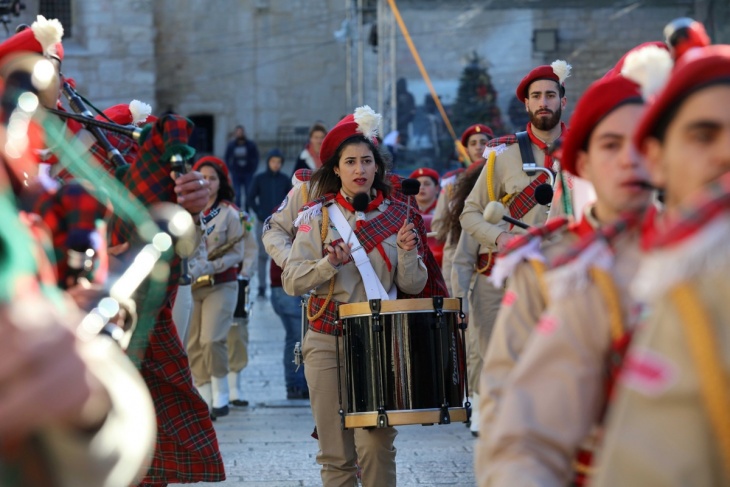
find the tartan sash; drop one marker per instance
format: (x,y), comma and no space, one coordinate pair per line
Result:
(373,232)
(485,263)
(525,201)
(328,322)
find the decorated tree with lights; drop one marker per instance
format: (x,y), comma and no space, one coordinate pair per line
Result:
(476,101)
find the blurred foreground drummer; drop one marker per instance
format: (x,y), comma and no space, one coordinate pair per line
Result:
(331,237)
(668,425)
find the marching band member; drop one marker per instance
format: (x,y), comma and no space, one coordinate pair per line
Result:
(215,290)
(238,333)
(474,139)
(668,423)
(504,179)
(553,398)
(464,272)
(426,200)
(321,260)
(278,230)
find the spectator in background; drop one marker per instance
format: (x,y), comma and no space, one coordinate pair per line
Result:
(406,108)
(309,158)
(289,309)
(267,192)
(242,159)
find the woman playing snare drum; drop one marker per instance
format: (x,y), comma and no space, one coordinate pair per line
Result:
(320,260)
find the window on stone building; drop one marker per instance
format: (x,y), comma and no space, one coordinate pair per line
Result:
(202,137)
(58,9)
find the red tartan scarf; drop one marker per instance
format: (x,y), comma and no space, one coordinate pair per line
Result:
(371,233)
(714,199)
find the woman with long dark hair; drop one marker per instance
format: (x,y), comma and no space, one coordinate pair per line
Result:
(215,289)
(321,261)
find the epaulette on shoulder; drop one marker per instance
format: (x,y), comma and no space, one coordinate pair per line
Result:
(570,272)
(312,209)
(300,177)
(508,139)
(525,247)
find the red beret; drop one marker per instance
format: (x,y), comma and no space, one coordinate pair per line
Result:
(477,128)
(212,161)
(122,114)
(543,72)
(600,99)
(697,68)
(426,171)
(363,122)
(43,37)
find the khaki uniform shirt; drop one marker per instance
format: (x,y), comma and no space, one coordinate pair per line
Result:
(279,229)
(464,267)
(509,178)
(224,227)
(658,430)
(524,304)
(307,269)
(553,397)
(250,253)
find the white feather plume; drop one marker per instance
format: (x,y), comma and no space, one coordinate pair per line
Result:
(561,70)
(140,111)
(367,121)
(48,32)
(649,67)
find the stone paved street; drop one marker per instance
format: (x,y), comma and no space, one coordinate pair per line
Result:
(268,444)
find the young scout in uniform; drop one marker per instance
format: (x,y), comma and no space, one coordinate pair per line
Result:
(554,396)
(279,231)
(474,140)
(504,179)
(668,423)
(525,262)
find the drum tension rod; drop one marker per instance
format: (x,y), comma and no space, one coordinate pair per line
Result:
(375,306)
(463,326)
(438,307)
(339,384)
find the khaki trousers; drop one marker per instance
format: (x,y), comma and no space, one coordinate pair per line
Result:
(338,450)
(237,341)
(212,317)
(483,308)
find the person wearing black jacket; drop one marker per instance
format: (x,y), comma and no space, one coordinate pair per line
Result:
(267,192)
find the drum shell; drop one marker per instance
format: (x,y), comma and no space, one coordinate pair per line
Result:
(409,369)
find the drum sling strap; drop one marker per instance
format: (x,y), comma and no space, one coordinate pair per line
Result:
(373,287)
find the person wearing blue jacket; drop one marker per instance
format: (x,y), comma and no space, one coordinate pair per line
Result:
(265,195)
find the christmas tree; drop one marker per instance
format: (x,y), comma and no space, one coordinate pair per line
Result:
(476,101)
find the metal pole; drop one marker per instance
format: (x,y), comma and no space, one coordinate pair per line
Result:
(360,55)
(381,61)
(348,60)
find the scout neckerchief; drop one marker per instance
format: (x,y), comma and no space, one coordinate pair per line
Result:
(209,215)
(430,209)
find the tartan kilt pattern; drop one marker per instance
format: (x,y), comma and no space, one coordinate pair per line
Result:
(325,323)
(187,447)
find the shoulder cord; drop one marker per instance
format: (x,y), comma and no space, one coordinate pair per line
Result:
(713,384)
(540,268)
(506,200)
(323,235)
(610,294)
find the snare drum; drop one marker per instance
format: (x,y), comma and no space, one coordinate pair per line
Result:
(405,361)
